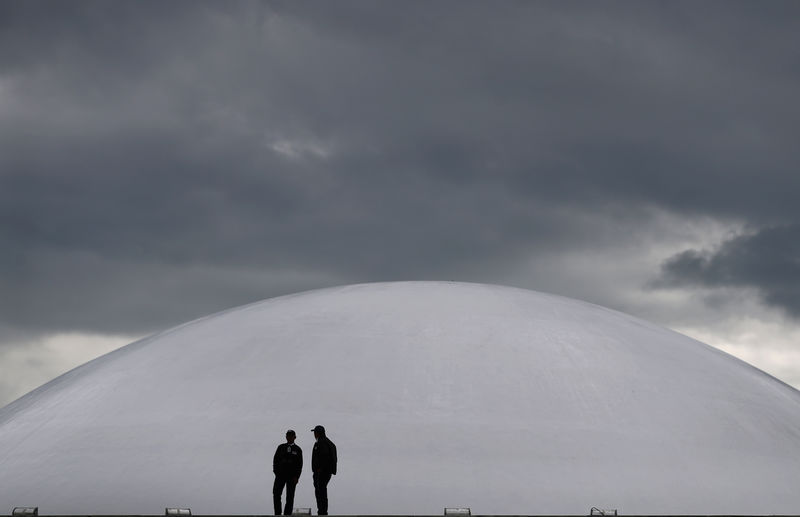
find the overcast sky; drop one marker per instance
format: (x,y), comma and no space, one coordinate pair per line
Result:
(160,161)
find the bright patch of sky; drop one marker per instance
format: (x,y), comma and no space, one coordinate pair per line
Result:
(29,364)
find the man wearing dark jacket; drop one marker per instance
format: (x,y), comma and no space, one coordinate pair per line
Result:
(323,463)
(287,464)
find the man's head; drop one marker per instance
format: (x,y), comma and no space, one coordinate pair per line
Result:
(290,436)
(319,431)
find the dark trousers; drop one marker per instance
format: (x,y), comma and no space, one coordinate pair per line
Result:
(321,480)
(277,489)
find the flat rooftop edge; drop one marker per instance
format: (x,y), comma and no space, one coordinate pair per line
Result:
(436,515)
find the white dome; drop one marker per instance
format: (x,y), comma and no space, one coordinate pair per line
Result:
(436,394)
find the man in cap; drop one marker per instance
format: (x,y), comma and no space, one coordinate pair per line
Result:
(287,464)
(323,463)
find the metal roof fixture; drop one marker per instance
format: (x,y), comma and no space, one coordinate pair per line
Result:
(602,511)
(178,512)
(460,512)
(25,511)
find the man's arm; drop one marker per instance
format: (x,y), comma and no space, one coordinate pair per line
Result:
(334,459)
(299,462)
(275,460)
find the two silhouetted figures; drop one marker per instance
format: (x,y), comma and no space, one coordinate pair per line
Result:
(287,464)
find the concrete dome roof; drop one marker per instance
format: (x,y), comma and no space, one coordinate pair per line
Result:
(437,394)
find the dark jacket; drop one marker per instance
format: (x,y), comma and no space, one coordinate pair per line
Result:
(288,461)
(323,459)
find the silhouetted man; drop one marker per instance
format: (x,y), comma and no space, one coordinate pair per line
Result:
(323,463)
(287,464)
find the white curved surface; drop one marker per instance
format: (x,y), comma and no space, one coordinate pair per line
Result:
(436,394)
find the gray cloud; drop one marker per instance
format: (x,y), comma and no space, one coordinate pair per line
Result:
(768,261)
(158,162)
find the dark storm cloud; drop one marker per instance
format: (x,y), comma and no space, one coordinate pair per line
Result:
(768,261)
(150,152)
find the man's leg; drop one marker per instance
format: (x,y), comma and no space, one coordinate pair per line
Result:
(290,486)
(277,488)
(321,491)
(317,493)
